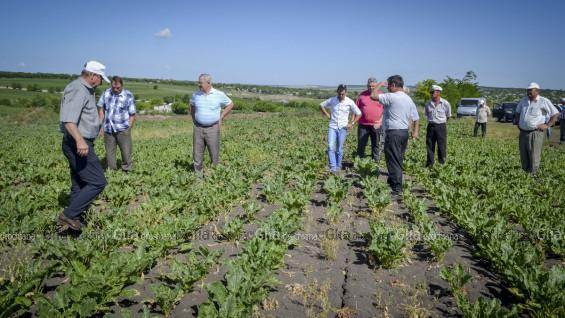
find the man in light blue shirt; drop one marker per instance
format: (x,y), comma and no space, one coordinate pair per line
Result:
(205,109)
(340,106)
(399,114)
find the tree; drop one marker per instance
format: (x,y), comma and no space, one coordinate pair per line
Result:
(180,108)
(455,89)
(155,86)
(156,101)
(422,93)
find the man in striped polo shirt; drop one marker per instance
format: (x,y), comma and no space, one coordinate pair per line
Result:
(116,109)
(205,109)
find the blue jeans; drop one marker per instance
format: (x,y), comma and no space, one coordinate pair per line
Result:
(336,139)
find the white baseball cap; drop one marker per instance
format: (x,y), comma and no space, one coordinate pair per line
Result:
(533,85)
(563,100)
(436,88)
(96,68)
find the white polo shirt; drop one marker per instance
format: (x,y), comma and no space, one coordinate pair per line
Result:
(532,113)
(339,111)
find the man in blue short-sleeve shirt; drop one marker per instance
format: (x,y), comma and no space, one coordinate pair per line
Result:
(206,110)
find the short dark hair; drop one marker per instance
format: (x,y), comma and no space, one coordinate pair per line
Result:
(396,80)
(117,79)
(341,88)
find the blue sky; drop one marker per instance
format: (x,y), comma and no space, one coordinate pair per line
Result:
(506,43)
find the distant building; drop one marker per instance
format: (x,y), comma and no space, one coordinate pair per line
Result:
(165,108)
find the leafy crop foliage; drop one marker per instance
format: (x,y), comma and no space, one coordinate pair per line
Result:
(484,190)
(145,215)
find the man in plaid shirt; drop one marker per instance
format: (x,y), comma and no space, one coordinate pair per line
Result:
(116,109)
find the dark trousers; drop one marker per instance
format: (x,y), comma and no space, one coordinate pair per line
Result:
(205,137)
(364,132)
(562,130)
(123,140)
(436,134)
(483,129)
(87,177)
(396,141)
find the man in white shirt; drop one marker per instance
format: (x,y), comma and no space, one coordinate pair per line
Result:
(483,111)
(530,117)
(340,106)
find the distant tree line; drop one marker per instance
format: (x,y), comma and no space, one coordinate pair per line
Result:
(453,89)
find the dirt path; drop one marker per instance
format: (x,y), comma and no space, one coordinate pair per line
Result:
(315,285)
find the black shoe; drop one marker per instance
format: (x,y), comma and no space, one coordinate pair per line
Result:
(65,223)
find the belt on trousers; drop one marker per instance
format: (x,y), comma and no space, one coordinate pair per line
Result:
(205,126)
(526,131)
(435,124)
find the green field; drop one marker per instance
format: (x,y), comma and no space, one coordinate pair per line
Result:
(142,252)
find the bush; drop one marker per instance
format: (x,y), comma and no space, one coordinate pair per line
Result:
(52,102)
(5,102)
(180,108)
(168,99)
(141,105)
(156,102)
(16,86)
(264,106)
(33,88)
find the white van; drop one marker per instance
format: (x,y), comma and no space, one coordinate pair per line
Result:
(468,106)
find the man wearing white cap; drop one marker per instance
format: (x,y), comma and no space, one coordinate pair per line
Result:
(80,124)
(530,117)
(438,111)
(562,122)
(483,111)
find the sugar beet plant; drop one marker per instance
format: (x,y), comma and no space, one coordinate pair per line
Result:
(457,278)
(433,239)
(490,200)
(377,194)
(154,210)
(388,243)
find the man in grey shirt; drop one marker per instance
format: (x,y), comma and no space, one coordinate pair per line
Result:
(438,111)
(80,124)
(399,114)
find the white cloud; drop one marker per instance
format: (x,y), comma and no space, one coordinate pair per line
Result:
(164,34)
(22,64)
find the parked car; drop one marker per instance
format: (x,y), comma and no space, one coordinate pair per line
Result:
(468,106)
(506,112)
(559,109)
(497,110)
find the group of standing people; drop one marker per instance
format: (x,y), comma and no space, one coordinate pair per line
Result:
(80,123)
(82,120)
(391,116)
